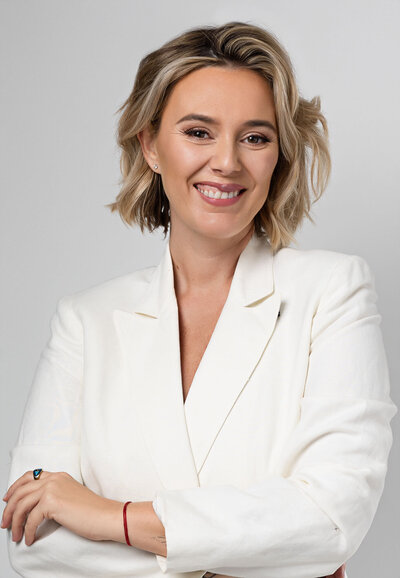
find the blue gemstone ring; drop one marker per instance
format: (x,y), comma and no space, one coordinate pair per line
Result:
(36,473)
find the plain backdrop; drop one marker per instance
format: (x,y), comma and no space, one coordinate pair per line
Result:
(67,65)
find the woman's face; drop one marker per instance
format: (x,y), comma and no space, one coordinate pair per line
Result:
(218,131)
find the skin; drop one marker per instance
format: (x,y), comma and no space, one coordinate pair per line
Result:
(225,151)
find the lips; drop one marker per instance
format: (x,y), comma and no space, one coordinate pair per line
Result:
(223,187)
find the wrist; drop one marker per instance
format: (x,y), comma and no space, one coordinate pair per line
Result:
(145,530)
(113,522)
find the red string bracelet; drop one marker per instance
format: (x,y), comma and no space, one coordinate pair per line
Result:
(126,524)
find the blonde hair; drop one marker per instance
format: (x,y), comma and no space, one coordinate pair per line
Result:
(303,163)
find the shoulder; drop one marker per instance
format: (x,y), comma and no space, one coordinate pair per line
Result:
(314,261)
(117,292)
(320,270)
(290,257)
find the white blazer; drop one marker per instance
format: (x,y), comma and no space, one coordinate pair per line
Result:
(275,464)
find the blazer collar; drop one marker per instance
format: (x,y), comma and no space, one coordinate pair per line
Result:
(179,435)
(253,279)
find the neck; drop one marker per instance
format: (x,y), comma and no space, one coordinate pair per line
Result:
(205,265)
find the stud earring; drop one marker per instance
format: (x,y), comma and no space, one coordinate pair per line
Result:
(155,166)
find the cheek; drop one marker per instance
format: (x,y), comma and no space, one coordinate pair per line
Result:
(269,167)
(262,171)
(180,157)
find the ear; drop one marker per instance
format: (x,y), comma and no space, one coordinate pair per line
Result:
(147,140)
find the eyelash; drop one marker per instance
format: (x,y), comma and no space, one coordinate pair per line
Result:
(191,131)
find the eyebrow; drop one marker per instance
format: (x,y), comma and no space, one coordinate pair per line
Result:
(249,123)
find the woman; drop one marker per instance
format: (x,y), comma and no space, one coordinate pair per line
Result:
(228,411)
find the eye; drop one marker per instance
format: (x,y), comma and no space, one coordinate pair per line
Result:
(195,132)
(201,134)
(258,136)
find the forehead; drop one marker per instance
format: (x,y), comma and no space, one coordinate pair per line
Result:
(225,92)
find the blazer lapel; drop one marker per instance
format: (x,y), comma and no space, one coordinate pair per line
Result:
(149,336)
(180,435)
(240,337)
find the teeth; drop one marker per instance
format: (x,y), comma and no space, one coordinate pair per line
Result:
(217,194)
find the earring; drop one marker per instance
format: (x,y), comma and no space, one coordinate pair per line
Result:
(155,166)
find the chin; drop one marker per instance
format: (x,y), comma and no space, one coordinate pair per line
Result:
(222,230)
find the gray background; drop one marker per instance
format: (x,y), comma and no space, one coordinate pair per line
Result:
(67,65)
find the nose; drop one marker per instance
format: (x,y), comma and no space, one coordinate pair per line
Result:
(225,157)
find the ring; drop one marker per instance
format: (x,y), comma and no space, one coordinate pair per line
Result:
(36,473)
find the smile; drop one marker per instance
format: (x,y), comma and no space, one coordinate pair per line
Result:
(214,193)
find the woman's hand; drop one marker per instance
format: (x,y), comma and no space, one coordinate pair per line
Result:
(338,574)
(57,496)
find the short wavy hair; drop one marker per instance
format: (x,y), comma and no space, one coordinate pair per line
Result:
(303,163)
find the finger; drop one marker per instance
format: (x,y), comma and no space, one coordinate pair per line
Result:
(2,525)
(35,518)
(339,572)
(16,484)
(21,512)
(24,479)
(19,494)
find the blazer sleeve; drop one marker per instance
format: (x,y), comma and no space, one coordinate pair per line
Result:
(50,431)
(50,438)
(312,519)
